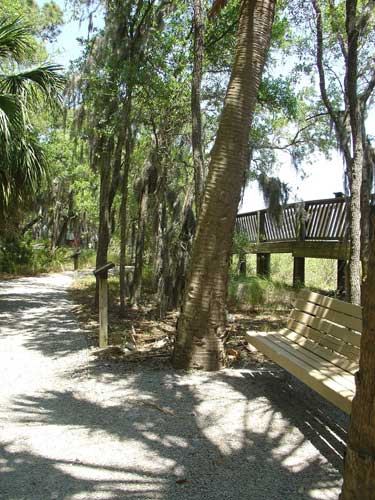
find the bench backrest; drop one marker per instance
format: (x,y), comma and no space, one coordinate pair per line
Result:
(330,327)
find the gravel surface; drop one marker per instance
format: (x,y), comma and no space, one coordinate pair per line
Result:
(76,428)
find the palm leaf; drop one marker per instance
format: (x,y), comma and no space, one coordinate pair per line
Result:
(14,40)
(22,172)
(44,81)
(10,115)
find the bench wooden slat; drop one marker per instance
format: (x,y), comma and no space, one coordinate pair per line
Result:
(325,339)
(340,332)
(331,303)
(320,346)
(329,314)
(329,387)
(333,357)
(327,369)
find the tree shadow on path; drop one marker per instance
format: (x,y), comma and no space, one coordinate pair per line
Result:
(154,434)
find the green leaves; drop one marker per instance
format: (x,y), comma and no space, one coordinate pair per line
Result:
(22,161)
(44,82)
(14,40)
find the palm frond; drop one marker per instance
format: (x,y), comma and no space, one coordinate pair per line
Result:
(14,40)
(43,82)
(22,173)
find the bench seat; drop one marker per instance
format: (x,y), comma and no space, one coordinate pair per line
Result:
(320,346)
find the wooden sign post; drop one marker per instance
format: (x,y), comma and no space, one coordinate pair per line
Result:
(75,257)
(102,274)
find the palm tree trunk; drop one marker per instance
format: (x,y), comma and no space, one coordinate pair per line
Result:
(201,326)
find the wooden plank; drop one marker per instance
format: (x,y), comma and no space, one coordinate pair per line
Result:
(292,223)
(324,338)
(311,214)
(340,332)
(342,223)
(322,221)
(309,342)
(332,218)
(327,369)
(317,210)
(319,249)
(329,314)
(327,387)
(328,219)
(336,222)
(331,303)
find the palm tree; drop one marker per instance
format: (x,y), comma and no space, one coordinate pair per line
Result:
(201,326)
(22,162)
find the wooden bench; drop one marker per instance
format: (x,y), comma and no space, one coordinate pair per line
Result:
(320,346)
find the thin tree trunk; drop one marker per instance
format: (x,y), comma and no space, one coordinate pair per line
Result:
(139,250)
(349,135)
(367,169)
(123,211)
(104,220)
(201,326)
(198,160)
(355,230)
(356,164)
(359,470)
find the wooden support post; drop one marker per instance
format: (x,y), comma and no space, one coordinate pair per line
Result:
(103,311)
(102,275)
(341,276)
(298,271)
(75,257)
(264,265)
(300,221)
(242,264)
(261,228)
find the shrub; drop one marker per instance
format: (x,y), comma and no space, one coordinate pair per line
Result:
(15,254)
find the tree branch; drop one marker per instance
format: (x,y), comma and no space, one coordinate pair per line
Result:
(332,11)
(366,94)
(339,126)
(365,16)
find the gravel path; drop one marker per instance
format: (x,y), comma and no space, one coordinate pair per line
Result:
(74,428)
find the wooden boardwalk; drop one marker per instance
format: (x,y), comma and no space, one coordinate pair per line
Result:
(315,228)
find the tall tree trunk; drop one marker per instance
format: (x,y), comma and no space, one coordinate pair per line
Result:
(104,219)
(201,326)
(367,178)
(356,164)
(355,230)
(140,243)
(123,207)
(196,136)
(359,470)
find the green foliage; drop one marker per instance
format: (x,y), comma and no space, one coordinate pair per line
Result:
(277,292)
(22,163)
(44,21)
(25,256)
(252,292)
(15,255)
(240,242)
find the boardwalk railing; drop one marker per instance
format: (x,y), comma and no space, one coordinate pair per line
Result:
(317,220)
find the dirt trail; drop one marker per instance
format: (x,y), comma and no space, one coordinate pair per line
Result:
(75,428)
